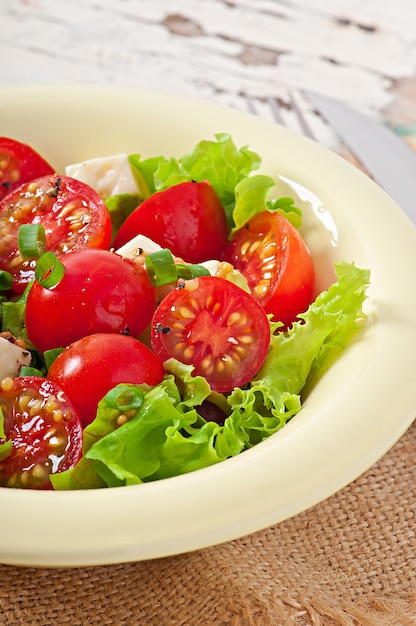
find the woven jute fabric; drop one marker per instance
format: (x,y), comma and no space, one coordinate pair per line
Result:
(348,561)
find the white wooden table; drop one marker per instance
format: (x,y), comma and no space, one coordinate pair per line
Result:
(361,51)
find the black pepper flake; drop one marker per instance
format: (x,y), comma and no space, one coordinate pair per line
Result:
(53,192)
(159,328)
(180,284)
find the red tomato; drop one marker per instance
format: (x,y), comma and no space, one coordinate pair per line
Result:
(99,292)
(277,264)
(187,218)
(217,327)
(45,431)
(19,163)
(74,217)
(93,365)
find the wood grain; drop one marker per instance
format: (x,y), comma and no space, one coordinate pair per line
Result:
(238,53)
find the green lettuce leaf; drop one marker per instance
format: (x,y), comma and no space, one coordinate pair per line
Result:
(219,161)
(120,207)
(166,436)
(5,444)
(228,169)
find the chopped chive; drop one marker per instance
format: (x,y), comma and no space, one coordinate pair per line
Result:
(49,270)
(31,240)
(191,271)
(5,444)
(163,270)
(26,370)
(6,280)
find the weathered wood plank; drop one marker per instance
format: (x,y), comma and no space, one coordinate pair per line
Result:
(224,50)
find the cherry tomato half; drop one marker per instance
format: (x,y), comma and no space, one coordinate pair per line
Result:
(187,218)
(74,217)
(44,429)
(217,327)
(277,264)
(93,365)
(99,292)
(19,163)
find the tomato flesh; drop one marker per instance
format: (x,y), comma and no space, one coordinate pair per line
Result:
(93,365)
(99,292)
(74,217)
(277,264)
(215,326)
(44,429)
(187,218)
(19,163)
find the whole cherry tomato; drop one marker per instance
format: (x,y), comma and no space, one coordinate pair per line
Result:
(187,218)
(99,292)
(93,365)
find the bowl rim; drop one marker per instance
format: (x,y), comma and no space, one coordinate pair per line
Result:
(283,475)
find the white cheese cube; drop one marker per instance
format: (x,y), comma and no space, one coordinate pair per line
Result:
(109,176)
(12,357)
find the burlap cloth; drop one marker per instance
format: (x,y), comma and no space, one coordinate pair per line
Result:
(348,561)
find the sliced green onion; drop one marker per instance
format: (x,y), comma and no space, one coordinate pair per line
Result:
(26,370)
(6,280)
(49,270)
(124,398)
(5,445)
(161,267)
(50,356)
(31,240)
(163,270)
(191,271)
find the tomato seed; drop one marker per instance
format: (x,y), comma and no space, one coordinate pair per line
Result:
(32,187)
(122,419)
(23,402)
(207,365)
(189,353)
(35,405)
(39,472)
(185,313)
(237,317)
(244,248)
(254,246)
(7,384)
(57,415)
(17,260)
(180,347)
(246,339)
(57,444)
(261,289)
(51,404)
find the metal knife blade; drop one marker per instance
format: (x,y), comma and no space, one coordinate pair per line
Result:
(387,158)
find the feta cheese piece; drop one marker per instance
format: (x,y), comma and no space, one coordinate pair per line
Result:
(136,246)
(109,176)
(12,357)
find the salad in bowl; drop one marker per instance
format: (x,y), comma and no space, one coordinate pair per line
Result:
(178,401)
(170,316)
